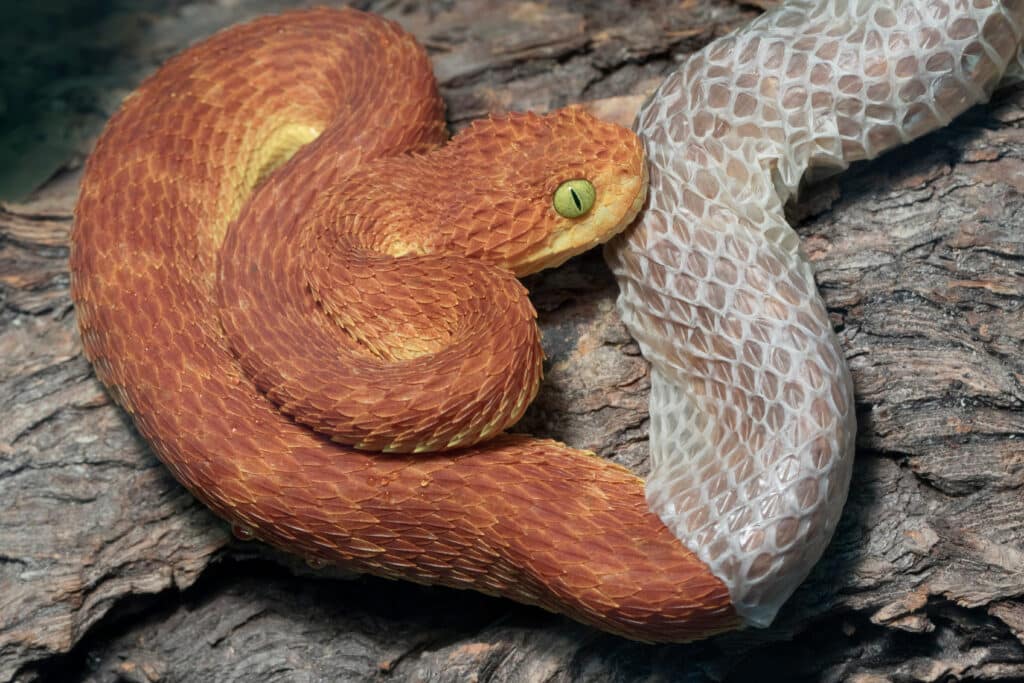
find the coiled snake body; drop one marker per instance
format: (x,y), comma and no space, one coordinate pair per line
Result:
(250,337)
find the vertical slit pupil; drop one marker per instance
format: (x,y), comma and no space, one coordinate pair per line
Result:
(576,199)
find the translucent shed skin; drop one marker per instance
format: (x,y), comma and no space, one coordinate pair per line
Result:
(752,416)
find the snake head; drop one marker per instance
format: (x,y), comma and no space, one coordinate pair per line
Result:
(544,188)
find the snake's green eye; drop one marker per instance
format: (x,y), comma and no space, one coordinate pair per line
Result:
(573,198)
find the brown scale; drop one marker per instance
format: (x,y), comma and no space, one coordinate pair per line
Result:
(520,517)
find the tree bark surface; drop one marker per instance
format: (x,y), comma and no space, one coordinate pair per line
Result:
(109,570)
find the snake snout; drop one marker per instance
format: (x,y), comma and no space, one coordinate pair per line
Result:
(584,180)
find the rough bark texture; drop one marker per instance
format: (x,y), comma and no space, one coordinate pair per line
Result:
(110,571)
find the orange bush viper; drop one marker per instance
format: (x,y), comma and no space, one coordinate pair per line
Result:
(263,327)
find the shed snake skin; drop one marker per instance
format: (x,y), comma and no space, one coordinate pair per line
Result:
(215,299)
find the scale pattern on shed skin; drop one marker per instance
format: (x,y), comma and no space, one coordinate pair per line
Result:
(520,517)
(752,421)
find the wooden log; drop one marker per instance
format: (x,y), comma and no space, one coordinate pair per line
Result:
(109,570)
